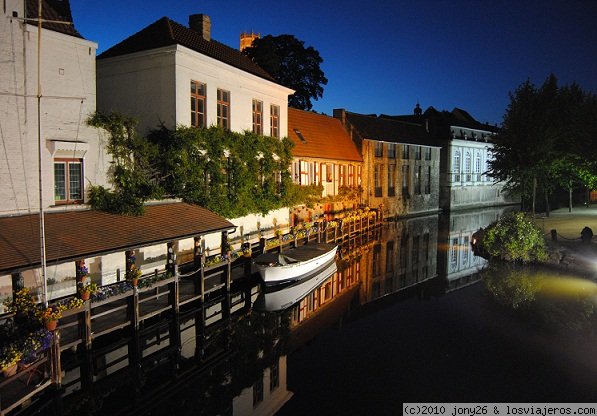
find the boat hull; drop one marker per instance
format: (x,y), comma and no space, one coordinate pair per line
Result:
(312,258)
(279,298)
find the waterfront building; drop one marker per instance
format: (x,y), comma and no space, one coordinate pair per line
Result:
(72,157)
(466,151)
(400,164)
(324,155)
(177,75)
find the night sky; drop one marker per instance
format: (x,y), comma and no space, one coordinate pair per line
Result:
(384,56)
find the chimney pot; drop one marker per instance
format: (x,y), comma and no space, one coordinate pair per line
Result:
(201,24)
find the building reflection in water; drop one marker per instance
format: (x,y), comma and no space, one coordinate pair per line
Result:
(457,263)
(229,356)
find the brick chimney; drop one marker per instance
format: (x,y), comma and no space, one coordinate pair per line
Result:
(201,24)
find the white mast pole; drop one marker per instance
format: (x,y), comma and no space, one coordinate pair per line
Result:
(42,232)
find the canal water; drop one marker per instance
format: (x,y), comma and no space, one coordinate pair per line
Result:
(407,314)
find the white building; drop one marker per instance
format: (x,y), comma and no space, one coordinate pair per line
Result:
(71,152)
(172,74)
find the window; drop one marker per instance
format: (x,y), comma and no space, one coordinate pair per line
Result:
(274,120)
(376,260)
(405,151)
(467,167)
(418,180)
(405,180)
(454,252)
(478,167)
(342,169)
(378,149)
(377,180)
(224,109)
(428,153)
(418,152)
(274,376)
(390,257)
(257,117)
(68,180)
(415,251)
(392,150)
(391,180)
(456,167)
(198,97)
(428,181)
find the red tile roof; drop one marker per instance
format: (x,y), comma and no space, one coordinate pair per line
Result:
(165,32)
(83,234)
(324,136)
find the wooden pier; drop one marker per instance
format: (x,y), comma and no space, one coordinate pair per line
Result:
(217,286)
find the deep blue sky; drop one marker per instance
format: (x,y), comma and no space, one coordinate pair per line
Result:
(383,56)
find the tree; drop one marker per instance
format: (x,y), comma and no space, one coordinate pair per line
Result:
(544,139)
(286,59)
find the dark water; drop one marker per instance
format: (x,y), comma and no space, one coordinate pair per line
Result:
(404,318)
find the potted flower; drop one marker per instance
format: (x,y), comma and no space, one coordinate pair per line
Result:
(133,275)
(10,355)
(89,289)
(49,316)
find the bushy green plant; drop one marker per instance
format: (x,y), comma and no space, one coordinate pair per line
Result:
(515,237)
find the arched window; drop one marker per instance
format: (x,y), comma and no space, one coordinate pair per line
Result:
(456,166)
(467,167)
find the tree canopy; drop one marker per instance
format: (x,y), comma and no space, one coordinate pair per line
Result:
(547,141)
(286,59)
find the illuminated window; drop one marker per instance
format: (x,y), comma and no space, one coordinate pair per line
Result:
(418,180)
(224,109)
(274,120)
(198,97)
(456,166)
(391,180)
(392,150)
(378,149)
(467,167)
(377,180)
(405,151)
(428,153)
(478,167)
(68,180)
(418,152)
(257,117)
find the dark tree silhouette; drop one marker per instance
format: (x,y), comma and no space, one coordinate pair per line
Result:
(286,59)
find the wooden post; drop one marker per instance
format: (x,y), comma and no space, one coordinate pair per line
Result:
(85,322)
(174,295)
(228,274)
(319,232)
(171,258)
(262,244)
(202,274)
(56,365)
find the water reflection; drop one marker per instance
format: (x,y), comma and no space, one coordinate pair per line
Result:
(230,356)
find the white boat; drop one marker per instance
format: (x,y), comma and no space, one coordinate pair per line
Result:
(277,298)
(295,263)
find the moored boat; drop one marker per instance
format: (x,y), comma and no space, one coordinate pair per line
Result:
(295,263)
(279,298)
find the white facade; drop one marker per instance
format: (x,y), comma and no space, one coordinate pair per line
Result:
(154,86)
(68,95)
(465,183)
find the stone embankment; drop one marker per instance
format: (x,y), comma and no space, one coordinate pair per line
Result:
(565,246)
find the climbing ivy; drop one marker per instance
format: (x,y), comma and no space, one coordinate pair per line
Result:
(132,174)
(230,173)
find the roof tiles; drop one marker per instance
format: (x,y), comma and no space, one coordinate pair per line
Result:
(165,32)
(325,137)
(81,234)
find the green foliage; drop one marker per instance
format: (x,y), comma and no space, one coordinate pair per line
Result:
(515,237)
(547,138)
(511,286)
(133,175)
(286,59)
(232,174)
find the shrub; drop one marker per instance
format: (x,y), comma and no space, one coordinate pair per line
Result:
(515,237)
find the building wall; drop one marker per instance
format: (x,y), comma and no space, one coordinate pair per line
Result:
(406,201)
(154,86)
(466,186)
(68,98)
